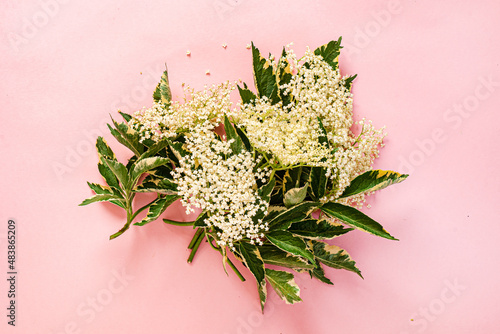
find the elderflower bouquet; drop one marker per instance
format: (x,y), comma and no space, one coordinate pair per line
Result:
(272,177)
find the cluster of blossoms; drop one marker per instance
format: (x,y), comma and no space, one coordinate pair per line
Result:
(198,107)
(290,132)
(210,178)
(222,184)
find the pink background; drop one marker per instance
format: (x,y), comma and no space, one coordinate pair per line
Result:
(428,70)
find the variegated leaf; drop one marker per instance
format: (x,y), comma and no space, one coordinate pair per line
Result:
(146,164)
(274,256)
(162,92)
(371,181)
(100,198)
(317,229)
(295,196)
(355,218)
(253,261)
(284,285)
(157,208)
(289,243)
(334,256)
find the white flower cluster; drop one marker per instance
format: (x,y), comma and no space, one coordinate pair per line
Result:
(223,184)
(161,121)
(290,132)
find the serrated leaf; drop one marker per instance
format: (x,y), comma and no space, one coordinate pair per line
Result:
(317,229)
(349,80)
(99,198)
(330,52)
(128,137)
(296,213)
(146,164)
(103,149)
(157,185)
(355,218)
(371,181)
(334,256)
(244,139)
(274,256)
(108,175)
(101,190)
(265,80)
(119,170)
(157,208)
(289,243)
(162,92)
(125,116)
(319,273)
(155,148)
(253,261)
(295,196)
(237,144)
(247,96)
(284,285)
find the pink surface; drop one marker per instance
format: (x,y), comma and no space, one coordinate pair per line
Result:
(429,70)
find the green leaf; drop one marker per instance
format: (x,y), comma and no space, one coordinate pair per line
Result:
(200,221)
(265,80)
(266,190)
(295,196)
(125,116)
(162,92)
(100,198)
(157,185)
(274,256)
(253,261)
(244,139)
(334,256)
(355,218)
(157,208)
(103,150)
(319,273)
(290,243)
(371,181)
(101,190)
(247,96)
(128,137)
(119,170)
(349,80)
(330,52)
(108,175)
(291,179)
(155,148)
(296,213)
(146,164)
(284,285)
(237,144)
(177,149)
(317,229)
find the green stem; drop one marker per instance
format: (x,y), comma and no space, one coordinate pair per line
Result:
(236,271)
(231,264)
(176,223)
(195,248)
(195,238)
(130,217)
